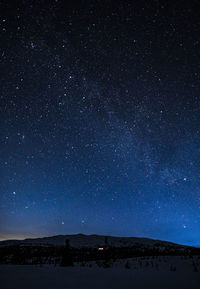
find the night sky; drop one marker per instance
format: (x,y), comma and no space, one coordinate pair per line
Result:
(100,119)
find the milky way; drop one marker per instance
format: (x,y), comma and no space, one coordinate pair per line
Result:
(100,119)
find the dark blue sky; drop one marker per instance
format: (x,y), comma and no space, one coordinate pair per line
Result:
(100,119)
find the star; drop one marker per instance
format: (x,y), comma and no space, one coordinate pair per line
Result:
(100,128)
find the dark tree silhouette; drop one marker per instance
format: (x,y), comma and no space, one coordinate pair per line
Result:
(106,240)
(67,258)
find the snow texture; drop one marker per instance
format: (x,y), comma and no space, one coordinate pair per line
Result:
(142,273)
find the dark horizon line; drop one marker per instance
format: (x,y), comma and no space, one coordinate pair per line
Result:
(99,235)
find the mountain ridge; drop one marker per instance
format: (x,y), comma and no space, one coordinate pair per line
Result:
(92,240)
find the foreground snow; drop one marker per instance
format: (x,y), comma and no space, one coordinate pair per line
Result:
(142,273)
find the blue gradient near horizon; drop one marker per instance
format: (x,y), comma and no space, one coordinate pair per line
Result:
(100,120)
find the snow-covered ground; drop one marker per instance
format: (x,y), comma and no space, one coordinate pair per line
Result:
(140,273)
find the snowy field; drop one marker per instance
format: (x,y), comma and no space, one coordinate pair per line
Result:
(135,273)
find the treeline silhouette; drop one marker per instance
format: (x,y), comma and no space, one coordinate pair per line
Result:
(67,255)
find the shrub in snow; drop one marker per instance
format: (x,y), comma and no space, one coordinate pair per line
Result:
(172,268)
(127,265)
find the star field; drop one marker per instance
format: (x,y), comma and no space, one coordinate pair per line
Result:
(99,119)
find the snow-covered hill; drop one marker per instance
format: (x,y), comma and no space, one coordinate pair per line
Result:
(80,240)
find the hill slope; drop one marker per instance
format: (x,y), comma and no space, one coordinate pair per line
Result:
(80,240)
